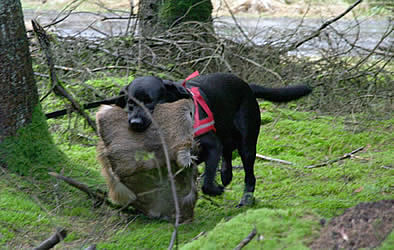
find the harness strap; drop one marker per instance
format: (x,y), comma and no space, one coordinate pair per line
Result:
(201,126)
(204,125)
(192,75)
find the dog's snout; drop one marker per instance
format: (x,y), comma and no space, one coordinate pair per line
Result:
(137,124)
(135,121)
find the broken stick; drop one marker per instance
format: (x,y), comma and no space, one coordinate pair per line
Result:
(345,156)
(245,241)
(59,235)
(273,159)
(98,195)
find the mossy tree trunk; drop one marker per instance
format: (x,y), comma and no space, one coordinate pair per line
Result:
(158,15)
(17,86)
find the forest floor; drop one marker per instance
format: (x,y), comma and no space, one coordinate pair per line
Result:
(344,205)
(348,204)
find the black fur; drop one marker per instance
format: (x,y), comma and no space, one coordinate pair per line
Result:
(236,113)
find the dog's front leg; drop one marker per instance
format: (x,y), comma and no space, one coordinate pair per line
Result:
(211,151)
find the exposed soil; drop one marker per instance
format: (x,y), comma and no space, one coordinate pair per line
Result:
(363,226)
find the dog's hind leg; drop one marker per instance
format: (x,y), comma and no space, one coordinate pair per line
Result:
(248,125)
(248,157)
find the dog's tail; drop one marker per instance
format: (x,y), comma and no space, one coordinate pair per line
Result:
(284,94)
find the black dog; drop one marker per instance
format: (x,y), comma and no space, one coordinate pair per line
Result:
(236,114)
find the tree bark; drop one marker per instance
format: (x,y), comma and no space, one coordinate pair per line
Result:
(156,16)
(148,17)
(18,90)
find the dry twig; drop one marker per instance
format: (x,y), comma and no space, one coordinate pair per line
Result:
(266,158)
(246,241)
(95,194)
(345,156)
(323,26)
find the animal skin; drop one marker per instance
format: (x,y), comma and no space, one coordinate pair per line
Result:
(134,163)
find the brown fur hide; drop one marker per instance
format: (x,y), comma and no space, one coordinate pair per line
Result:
(134,164)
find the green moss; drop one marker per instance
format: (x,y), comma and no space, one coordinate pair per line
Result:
(31,151)
(19,213)
(289,199)
(388,243)
(276,229)
(173,12)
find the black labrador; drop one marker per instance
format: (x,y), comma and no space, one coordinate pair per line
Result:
(236,115)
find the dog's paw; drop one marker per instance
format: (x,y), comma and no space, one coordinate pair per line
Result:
(247,200)
(212,189)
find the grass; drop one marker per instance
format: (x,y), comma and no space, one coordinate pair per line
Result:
(290,200)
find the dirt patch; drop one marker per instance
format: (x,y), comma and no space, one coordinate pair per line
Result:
(363,226)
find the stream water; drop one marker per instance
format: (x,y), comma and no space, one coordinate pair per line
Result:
(365,33)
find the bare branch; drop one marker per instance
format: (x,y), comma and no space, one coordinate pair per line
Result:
(237,24)
(345,156)
(58,89)
(96,194)
(323,26)
(266,158)
(246,241)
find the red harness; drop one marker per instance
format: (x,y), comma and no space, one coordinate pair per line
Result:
(201,126)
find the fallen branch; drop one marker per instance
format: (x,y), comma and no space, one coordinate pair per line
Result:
(345,156)
(266,158)
(57,88)
(245,241)
(90,105)
(58,236)
(199,235)
(96,194)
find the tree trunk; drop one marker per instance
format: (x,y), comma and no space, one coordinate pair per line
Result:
(149,23)
(17,86)
(156,16)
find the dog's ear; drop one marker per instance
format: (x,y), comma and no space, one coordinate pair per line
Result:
(122,100)
(175,91)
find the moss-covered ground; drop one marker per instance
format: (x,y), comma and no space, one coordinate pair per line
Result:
(290,199)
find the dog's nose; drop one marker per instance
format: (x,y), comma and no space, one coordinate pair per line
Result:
(136,124)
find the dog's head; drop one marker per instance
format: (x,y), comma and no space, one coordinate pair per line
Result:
(149,91)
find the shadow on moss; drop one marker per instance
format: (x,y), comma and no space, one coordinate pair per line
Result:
(32,151)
